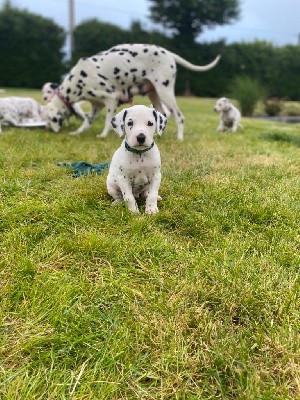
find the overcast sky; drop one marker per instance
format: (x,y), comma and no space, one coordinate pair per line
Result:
(276,21)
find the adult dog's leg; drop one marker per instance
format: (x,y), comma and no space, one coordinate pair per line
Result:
(166,95)
(89,118)
(111,106)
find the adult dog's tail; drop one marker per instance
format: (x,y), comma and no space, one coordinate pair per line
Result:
(193,67)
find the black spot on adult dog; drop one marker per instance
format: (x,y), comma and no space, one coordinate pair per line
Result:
(91,93)
(103,77)
(116,70)
(166,83)
(83,73)
(133,70)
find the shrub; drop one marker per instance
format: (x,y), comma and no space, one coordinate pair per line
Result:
(247,92)
(291,109)
(273,106)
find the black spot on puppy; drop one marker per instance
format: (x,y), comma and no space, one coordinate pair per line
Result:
(113,122)
(116,70)
(83,73)
(166,83)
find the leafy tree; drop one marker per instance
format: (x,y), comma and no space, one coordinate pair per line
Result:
(288,67)
(30,48)
(186,19)
(93,36)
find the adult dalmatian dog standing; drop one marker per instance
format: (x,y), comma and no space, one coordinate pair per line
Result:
(105,77)
(135,168)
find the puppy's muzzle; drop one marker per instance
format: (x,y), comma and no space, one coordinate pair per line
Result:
(141,138)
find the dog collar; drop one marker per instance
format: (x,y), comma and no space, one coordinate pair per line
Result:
(64,100)
(136,151)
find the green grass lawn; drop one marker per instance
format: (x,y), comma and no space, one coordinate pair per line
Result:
(200,301)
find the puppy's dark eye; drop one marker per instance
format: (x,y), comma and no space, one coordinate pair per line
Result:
(150,123)
(130,123)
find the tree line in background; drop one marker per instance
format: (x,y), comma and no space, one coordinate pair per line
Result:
(31,49)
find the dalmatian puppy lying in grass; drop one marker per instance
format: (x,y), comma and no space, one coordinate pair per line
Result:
(26,107)
(230,116)
(8,113)
(135,166)
(103,78)
(14,109)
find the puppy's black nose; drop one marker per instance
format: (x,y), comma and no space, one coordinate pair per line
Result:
(141,138)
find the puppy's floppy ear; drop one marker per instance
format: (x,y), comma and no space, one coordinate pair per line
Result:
(161,121)
(227,101)
(118,122)
(53,85)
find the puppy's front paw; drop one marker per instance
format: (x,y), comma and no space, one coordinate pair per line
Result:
(134,210)
(151,209)
(116,202)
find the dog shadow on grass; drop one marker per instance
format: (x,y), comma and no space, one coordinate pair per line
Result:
(281,137)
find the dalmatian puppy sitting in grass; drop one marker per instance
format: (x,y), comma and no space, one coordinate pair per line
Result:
(230,116)
(135,168)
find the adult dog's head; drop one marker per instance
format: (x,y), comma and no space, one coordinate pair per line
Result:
(139,125)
